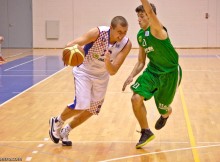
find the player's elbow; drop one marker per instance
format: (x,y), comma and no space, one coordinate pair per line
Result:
(112,70)
(141,63)
(150,13)
(112,73)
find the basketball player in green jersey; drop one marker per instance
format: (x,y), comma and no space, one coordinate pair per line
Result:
(162,75)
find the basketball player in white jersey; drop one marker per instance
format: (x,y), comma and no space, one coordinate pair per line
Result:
(2,60)
(106,49)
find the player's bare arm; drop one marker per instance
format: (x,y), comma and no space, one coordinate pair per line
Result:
(137,68)
(156,26)
(112,67)
(86,38)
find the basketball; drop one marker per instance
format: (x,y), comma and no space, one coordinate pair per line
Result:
(73,56)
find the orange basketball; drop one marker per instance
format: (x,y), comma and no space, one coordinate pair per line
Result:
(73,56)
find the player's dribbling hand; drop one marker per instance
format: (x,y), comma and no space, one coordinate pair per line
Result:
(127,82)
(107,56)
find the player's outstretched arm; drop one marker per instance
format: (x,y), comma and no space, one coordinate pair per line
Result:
(156,26)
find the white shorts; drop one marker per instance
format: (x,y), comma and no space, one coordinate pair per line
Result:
(89,91)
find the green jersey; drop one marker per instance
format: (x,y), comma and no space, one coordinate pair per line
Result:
(162,55)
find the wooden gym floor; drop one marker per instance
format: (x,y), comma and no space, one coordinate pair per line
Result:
(191,134)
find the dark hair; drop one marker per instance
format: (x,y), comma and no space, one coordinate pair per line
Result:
(141,8)
(119,20)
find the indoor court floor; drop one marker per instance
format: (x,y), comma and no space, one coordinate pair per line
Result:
(34,86)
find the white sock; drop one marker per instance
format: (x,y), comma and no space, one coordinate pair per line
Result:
(60,119)
(68,128)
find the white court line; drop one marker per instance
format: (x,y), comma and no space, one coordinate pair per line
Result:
(28,158)
(23,63)
(40,145)
(159,152)
(32,87)
(132,141)
(34,152)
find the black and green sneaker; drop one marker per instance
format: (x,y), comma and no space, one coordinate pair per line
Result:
(160,122)
(146,136)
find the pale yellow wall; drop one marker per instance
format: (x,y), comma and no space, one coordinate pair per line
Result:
(185,20)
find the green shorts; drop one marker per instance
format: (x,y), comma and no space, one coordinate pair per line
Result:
(161,86)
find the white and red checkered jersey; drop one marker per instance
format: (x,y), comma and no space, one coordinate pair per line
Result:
(94,60)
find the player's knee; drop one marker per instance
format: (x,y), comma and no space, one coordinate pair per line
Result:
(136,99)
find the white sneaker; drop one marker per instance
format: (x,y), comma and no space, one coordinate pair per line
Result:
(64,133)
(54,131)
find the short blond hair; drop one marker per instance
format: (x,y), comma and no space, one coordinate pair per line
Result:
(119,20)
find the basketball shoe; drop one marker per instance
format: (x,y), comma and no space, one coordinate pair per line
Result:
(160,122)
(146,136)
(54,131)
(64,133)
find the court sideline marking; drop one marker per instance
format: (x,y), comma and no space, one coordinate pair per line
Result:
(46,140)
(189,127)
(159,152)
(34,151)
